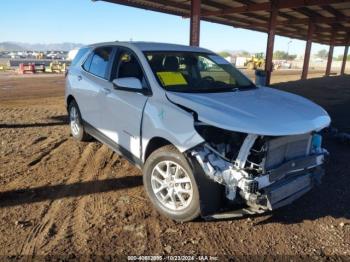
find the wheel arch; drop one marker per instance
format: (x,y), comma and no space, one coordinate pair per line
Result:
(69,99)
(154,144)
(209,203)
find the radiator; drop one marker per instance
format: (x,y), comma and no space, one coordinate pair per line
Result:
(282,149)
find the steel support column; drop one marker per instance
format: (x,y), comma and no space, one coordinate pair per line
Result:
(330,55)
(270,41)
(307,50)
(342,71)
(195,22)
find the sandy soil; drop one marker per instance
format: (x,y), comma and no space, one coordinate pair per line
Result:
(59,197)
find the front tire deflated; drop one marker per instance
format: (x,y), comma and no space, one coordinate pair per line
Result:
(170,184)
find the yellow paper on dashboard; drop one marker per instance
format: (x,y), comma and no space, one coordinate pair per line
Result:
(171,78)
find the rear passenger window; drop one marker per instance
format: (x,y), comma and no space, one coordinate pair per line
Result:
(100,61)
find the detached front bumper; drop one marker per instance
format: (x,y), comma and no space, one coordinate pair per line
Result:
(277,195)
(286,190)
(280,171)
(280,187)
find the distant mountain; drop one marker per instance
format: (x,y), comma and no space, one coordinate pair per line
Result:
(9,46)
(17,46)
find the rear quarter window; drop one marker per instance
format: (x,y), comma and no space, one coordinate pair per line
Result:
(79,56)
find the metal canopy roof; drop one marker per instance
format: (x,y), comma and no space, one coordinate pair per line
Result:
(331,18)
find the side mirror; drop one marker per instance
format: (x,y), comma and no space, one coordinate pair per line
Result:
(128,84)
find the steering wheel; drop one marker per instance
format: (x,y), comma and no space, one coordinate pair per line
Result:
(208,78)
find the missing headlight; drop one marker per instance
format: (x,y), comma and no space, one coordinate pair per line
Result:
(226,143)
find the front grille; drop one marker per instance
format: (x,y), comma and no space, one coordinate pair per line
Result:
(282,149)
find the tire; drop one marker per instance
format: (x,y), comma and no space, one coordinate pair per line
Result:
(262,66)
(75,123)
(183,188)
(251,66)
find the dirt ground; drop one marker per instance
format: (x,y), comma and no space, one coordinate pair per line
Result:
(60,198)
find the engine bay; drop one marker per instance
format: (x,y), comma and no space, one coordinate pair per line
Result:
(259,170)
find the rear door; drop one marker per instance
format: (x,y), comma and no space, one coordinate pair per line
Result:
(93,80)
(122,110)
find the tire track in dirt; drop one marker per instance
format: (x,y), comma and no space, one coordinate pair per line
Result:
(29,112)
(39,153)
(66,230)
(132,217)
(16,110)
(79,224)
(74,223)
(46,150)
(41,233)
(38,140)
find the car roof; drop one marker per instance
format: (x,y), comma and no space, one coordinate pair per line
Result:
(153,46)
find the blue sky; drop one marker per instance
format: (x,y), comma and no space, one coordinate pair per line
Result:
(84,21)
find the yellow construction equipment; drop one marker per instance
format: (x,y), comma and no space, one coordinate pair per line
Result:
(40,56)
(3,67)
(56,67)
(257,61)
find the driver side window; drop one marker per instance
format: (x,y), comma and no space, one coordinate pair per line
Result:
(127,65)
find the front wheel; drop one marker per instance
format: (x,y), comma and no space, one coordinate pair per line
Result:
(170,184)
(251,66)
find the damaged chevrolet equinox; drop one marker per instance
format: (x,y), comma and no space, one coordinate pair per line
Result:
(209,142)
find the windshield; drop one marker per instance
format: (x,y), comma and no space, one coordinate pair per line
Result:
(196,72)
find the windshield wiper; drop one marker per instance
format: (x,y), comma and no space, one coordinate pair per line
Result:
(242,88)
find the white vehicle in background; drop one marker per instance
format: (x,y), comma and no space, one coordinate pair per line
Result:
(72,54)
(14,55)
(209,142)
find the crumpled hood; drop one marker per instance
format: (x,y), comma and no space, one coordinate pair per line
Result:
(263,111)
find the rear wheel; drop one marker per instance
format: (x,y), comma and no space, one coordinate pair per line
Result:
(75,123)
(170,184)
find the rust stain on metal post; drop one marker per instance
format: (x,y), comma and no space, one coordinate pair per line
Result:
(330,54)
(307,50)
(195,22)
(342,71)
(271,41)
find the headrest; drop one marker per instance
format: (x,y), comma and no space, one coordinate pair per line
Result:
(157,63)
(130,69)
(171,63)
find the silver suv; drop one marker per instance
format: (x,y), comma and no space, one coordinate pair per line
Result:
(208,141)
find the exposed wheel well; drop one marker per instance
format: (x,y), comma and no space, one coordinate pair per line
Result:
(154,144)
(70,98)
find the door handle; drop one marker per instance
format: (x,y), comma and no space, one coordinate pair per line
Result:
(80,78)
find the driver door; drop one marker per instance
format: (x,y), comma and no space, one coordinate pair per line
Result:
(122,109)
